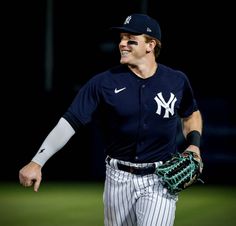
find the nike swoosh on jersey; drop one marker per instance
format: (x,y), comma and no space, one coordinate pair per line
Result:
(119,90)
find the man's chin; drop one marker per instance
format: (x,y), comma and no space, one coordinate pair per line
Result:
(123,62)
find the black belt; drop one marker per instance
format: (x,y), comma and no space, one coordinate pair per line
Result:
(135,170)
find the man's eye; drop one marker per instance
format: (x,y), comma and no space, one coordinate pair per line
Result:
(131,42)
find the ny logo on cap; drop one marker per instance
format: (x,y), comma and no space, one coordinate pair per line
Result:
(127,20)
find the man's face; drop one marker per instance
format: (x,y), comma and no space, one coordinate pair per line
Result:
(133,48)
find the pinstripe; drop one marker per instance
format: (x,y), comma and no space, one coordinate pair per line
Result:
(124,206)
(112,203)
(133,200)
(171,216)
(118,192)
(166,211)
(152,201)
(119,205)
(115,206)
(167,215)
(162,211)
(154,207)
(141,206)
(128,200)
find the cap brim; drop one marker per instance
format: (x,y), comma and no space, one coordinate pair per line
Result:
(125,29)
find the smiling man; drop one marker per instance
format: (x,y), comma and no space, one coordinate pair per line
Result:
(140,102)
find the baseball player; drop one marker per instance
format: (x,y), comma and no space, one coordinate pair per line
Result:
(140,103)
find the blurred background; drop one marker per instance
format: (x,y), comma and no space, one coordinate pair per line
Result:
(51,48)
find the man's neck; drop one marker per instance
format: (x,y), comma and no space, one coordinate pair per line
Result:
(144,71)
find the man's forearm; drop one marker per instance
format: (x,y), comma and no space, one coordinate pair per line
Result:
(55,140)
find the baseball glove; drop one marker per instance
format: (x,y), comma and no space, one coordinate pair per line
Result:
(181,171)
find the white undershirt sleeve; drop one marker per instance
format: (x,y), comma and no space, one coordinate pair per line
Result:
(55,140)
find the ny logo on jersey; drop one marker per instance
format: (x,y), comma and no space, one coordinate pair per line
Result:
(169,105)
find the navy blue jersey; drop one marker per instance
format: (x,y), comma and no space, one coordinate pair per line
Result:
(139,117)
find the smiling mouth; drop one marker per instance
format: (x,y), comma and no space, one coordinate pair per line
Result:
(124,53)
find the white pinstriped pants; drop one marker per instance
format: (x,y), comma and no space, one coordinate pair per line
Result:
(134,200)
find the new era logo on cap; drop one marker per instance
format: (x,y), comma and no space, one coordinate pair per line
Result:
(141,24)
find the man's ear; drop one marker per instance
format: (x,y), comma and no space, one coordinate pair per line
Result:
(151,45)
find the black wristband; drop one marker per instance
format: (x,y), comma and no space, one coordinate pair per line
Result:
(194,138)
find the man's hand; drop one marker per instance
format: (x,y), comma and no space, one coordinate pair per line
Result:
(30,175)
(197,155)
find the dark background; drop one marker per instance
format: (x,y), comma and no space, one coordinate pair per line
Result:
(196,38)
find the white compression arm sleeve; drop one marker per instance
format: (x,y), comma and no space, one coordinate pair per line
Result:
(55,140)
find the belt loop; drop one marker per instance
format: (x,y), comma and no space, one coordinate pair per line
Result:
(112,162)
(158,163)
(108,159)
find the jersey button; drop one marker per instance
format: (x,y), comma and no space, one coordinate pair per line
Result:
(136,158)
(143,86)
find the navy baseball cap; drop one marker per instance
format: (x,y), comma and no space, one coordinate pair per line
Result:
(140,24)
